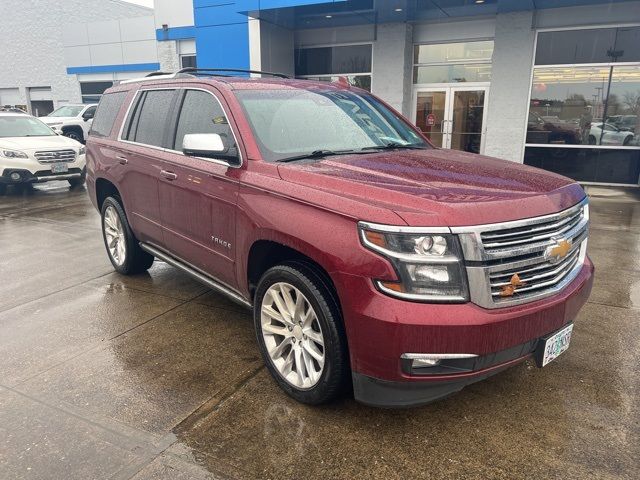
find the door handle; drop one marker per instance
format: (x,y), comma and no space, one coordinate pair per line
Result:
(168,175)
(122,160)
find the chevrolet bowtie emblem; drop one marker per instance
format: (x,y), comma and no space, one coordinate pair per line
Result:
(510,289)
(559,250)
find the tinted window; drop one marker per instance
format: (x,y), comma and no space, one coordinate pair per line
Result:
(601,45)
(94,88)
(106,113)
(188,61)
(89,112)
(327,60)
(201,113)
(151,116)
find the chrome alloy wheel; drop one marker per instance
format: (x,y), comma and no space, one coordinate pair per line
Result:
(292,334)
(114,234)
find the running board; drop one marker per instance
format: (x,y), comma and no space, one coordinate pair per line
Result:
(197,275)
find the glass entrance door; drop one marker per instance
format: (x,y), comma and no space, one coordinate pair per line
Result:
(452,117)
(430,115)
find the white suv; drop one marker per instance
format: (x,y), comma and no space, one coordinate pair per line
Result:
(73,121)
(31,152)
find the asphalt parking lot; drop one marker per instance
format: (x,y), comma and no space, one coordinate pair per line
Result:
(155,377)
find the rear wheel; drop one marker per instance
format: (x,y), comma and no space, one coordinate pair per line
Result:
(122,247)
(300,333)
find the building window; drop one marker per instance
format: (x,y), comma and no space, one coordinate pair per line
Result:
(453,62)
(92,91)
(188,61)
(329,63)
(584,120)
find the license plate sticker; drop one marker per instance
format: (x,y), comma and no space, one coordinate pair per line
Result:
(556,344)
(59,168)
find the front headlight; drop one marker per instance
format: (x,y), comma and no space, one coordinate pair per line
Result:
(429,264)
(82,150)
(14,154)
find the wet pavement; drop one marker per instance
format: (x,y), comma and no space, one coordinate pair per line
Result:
(156,377)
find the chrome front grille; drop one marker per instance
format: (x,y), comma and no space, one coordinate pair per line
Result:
(518,262)
(55,156)
(497,240)
(535,277)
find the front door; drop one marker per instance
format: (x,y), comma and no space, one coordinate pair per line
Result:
(452,117)
(198,196)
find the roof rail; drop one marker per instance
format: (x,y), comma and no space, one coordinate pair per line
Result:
(196,70)
(155,76)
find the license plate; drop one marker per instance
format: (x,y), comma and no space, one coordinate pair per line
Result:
(555,345)
(59,168)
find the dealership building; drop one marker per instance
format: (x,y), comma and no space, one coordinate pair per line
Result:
(551,83)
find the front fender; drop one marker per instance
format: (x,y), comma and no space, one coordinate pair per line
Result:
(326,237)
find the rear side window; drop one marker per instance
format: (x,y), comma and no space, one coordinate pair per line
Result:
(201,113)
(147,125)
(106,113)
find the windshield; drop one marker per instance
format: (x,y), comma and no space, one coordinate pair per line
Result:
(293,122)
(23,126)
(67,111)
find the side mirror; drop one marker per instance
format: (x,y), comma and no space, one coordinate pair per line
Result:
(209,145)
(86,116)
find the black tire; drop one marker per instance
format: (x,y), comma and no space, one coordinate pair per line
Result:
(334,379)
(74,134)
(627,140)
(136,260)
(78,181)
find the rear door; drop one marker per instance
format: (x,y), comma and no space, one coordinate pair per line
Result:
(198,196)
(143,138)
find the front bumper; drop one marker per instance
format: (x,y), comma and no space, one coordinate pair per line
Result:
(380,329)
(37,177)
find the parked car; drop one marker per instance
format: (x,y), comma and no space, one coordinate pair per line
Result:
(73,121)
(12,109)
(31,152)
(624,122)
(547,130)
(609,135)
(368,256)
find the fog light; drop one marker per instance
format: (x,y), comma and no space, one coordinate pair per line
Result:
(424,362)
(15,176)
(427,360)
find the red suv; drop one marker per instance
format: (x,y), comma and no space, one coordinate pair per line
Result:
(370,258)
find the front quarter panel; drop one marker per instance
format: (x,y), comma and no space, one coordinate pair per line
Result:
(273,210)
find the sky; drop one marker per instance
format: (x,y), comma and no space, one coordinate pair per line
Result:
(144,3)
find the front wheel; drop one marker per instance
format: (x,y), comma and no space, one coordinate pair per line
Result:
(122,247)
(74,135)
(300,333)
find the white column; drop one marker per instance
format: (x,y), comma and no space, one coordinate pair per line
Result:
(392,64)
(270,47)
(510,79)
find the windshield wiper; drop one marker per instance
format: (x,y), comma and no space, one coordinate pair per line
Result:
(394,146)
(316,154)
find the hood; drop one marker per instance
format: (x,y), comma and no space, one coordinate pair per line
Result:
(29,144)
(52,120)
(438,187)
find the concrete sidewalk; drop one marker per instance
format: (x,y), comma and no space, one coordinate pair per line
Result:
(155,377)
